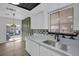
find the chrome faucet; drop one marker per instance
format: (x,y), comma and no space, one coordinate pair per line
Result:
(57,37)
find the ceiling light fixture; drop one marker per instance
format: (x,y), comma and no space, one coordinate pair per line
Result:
(13,25)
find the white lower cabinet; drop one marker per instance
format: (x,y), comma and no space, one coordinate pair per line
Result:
(28,46)
(32,48)
(48,52)
(35,49)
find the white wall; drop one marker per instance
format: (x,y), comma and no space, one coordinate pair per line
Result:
(3,22)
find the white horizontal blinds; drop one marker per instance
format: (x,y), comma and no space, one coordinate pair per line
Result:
(54,18)
(54,22)
(66,21)
(62,21)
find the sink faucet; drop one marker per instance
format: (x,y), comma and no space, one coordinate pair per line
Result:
(57,37)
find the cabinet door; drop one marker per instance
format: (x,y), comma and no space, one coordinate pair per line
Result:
(37,21)
(28,46)
(32,48)
(35,49)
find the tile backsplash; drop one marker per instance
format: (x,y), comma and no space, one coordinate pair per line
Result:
(39,31)
(45,31)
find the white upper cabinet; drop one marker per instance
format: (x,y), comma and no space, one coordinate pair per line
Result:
(37,21)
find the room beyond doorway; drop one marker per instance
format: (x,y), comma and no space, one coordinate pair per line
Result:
(13,34)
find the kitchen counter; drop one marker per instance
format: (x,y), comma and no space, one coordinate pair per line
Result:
(39,40)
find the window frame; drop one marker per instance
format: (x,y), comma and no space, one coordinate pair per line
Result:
(58,11)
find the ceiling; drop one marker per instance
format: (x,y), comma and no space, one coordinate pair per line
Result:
(27,6)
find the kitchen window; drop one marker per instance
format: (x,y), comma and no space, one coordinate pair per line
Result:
(54,26)
(62,21)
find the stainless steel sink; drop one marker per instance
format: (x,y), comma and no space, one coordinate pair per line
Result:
(49,42)
(63,47)
(56,44)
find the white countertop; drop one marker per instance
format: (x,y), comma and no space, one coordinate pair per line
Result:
(39,39)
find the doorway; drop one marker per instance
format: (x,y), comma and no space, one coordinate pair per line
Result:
(11,34)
